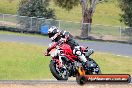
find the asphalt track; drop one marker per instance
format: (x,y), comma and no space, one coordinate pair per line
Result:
(108,47)
(45,81)
(52,81)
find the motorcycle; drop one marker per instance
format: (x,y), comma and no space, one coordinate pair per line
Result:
(65,64)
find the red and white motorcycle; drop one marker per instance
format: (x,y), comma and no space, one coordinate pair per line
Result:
(65,64)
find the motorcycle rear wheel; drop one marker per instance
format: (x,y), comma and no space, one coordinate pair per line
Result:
(81,80)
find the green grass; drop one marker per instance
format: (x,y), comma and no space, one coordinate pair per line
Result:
(112,64)
(20,61)
(23,61)
(106,13)
(22,34)
(9,7)
(105,30)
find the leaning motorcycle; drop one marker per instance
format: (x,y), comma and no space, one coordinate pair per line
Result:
(65,64)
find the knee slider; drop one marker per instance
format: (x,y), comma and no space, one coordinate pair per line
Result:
(77,51)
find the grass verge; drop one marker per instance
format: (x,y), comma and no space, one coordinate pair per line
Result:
(22,34)
(113,64)
(23,61)
(20,61)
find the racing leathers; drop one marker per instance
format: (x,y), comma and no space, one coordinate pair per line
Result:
(68,38)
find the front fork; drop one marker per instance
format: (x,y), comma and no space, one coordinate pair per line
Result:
(61,65)
(61,62)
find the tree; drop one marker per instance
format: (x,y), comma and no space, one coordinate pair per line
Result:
(126,16)
(35,8)
(126,7)
(88,8)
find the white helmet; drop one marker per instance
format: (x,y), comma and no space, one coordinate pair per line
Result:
(52,32)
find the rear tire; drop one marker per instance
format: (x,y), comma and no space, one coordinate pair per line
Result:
(55,73)
(81,80)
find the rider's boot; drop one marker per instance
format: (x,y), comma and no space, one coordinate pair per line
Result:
(81,56)
(84,61)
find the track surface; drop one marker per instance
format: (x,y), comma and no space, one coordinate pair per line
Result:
(65,86)
(50,81)
(114,48)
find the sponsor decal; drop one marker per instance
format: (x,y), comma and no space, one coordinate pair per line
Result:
(104,78)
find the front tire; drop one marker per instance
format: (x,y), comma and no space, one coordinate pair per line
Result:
(55,73)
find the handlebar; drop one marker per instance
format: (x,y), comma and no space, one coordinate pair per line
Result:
(53,46)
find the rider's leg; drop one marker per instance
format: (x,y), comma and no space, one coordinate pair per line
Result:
(77,51)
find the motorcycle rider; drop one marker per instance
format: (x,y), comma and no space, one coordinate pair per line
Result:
(56,35)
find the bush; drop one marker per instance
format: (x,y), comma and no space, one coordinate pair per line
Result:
(34,9)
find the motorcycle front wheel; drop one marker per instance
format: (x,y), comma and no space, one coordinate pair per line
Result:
(58,73)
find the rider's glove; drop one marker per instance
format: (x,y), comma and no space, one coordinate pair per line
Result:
(63,39)
(46,54)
